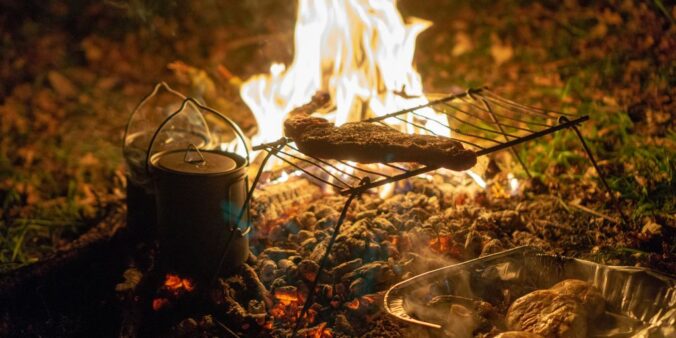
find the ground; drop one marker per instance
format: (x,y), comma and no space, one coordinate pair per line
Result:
(71,73)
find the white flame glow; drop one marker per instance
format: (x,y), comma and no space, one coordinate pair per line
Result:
(513,184)
(361,53)
(477,178)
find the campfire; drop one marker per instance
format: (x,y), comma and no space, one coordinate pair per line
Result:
(343,194)
(332,231)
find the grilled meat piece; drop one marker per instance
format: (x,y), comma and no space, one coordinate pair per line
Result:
(585,293)
(366,142)
(548,313)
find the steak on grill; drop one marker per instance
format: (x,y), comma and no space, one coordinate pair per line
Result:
(367,142)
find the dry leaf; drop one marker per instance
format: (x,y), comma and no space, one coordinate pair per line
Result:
(61,84)
(599,31)
(132,277)
(463,44)
(93,52)
(500,52)
(88,160)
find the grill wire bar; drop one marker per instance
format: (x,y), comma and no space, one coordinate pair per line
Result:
(478,118)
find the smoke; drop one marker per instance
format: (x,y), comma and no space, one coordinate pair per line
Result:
(456,314)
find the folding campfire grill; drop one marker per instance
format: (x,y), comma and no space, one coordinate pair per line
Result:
(478,118)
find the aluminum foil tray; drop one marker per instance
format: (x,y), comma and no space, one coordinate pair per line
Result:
(639,302)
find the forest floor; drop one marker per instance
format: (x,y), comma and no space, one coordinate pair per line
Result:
(70,74)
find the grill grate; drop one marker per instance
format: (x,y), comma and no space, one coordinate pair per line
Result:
(478,118)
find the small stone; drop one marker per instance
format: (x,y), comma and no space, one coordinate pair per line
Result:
(276,254)
(325,212)
(309,244)
(187,326)
(305,234)
(256,307)
(267,270)
(285,264)
(207,321)
(418,213)
(278,283)
(308,270)
(295,259)
(366,214)
(293,226)
(278,233)
(307,220)
(386,225)
(473,244)
(410,224)
(343,325)
(326,222)
(343,268)
(491,247)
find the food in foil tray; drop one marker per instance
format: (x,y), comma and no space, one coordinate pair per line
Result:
(522,292)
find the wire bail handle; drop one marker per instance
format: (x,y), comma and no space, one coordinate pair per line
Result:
(190,100)
(145,100)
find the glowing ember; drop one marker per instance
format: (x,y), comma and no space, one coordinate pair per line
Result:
(286,295)
(322,332)
(160,303)
(177,285)
(513,184)
(445,245)
(353,305)
(368,299)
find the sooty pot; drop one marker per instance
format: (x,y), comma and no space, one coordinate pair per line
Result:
(200,198)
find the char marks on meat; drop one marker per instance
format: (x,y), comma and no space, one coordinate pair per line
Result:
(366,142)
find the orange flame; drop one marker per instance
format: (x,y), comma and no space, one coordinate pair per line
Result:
(360,52)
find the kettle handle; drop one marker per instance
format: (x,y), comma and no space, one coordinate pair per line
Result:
(194,102)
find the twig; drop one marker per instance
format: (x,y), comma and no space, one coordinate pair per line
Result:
(227,329)
(567,205)
(594,212)
(255,39)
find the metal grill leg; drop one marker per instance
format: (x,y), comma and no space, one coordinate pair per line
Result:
(322,263)
(590,155)
(515,153)
(245,209)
